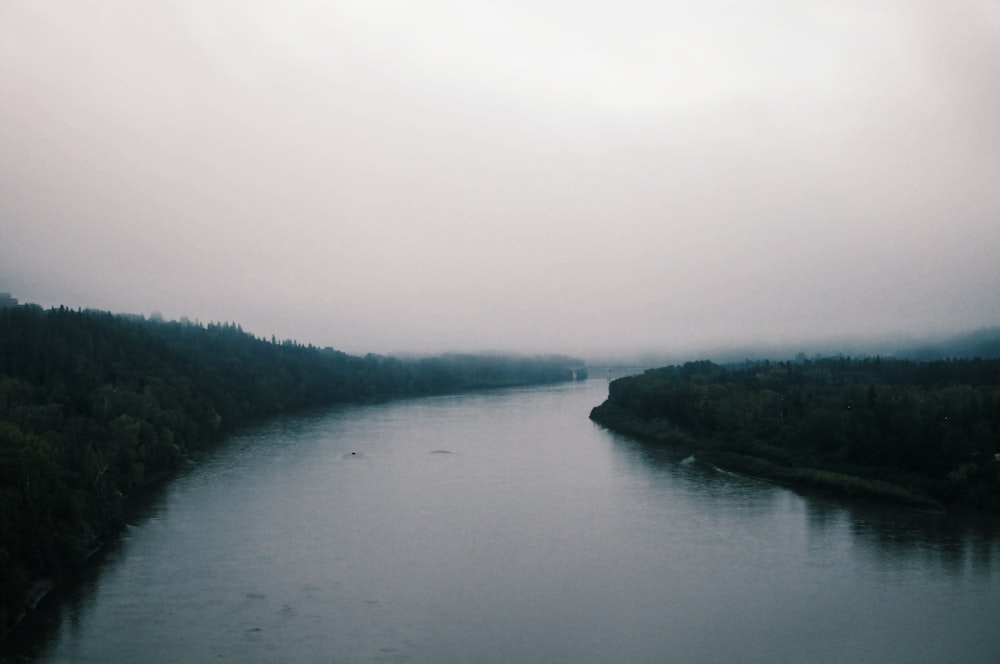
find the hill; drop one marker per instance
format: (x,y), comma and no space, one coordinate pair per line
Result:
(95,407)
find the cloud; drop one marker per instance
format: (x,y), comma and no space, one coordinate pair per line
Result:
(389,176)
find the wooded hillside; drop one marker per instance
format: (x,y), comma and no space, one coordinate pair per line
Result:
(855,426)
(93,407)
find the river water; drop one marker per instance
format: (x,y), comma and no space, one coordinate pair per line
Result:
(506,527)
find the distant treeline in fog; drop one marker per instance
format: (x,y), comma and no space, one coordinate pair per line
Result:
(983,343)
(924,433)
(94,407)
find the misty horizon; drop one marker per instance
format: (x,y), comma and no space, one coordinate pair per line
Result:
(567,178)
(982,343)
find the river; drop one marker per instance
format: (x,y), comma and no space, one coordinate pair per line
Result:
(504,526)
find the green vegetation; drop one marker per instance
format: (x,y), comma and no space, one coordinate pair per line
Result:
(920,433)
(94,407)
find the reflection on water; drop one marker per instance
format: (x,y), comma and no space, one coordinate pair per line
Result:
(505,526)
(955,543)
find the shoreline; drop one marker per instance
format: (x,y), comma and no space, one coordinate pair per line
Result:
(839,484)
(136,504)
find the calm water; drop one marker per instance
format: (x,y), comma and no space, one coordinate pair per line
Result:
(504,527)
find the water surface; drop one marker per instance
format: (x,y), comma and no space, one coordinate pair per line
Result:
(505,526)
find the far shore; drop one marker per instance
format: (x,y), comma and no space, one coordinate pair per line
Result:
(835,483)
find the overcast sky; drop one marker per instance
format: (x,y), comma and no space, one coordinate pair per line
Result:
(383,176)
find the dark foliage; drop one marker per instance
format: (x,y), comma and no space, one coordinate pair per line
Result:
(94,407)
(932,428)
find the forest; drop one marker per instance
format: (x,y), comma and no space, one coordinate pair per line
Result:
(95,408)
(922,433)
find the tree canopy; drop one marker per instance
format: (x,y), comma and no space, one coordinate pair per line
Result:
(930,427)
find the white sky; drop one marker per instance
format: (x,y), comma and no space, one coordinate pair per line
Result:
(585,176)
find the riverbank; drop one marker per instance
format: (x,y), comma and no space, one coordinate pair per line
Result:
(924,435)
(834,483)
(95,408)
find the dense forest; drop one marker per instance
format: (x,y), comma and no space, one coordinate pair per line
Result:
(921,433)
(95,407)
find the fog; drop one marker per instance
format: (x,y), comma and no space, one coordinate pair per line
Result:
(387,176)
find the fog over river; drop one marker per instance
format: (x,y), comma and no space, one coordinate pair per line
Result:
(505,526)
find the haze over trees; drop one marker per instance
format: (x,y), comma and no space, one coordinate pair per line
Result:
(94,407)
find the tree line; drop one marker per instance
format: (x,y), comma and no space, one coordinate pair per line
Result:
(94,407)
(924,432)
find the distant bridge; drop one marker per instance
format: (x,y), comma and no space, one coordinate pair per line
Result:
(612,371)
